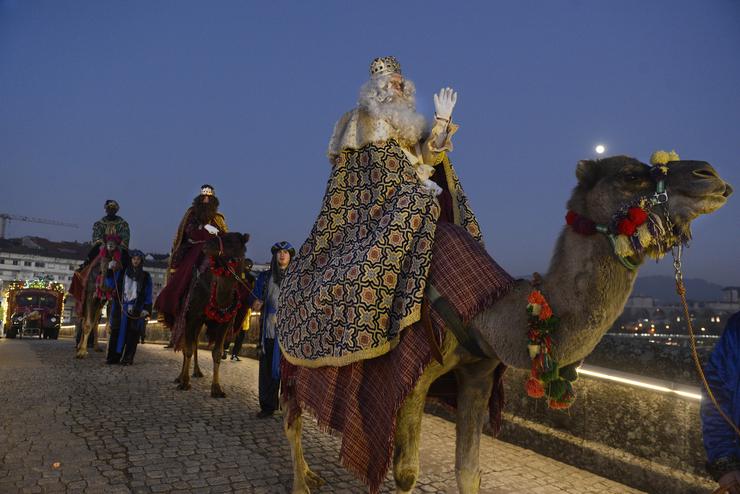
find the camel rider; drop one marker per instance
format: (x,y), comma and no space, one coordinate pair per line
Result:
(110,224)
(265,294)
(201,221)
(362,272)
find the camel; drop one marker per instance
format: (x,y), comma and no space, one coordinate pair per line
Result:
(92,303)
(586,285)
(214,302)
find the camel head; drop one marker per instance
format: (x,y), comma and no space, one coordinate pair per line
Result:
(227,246)
(607,189)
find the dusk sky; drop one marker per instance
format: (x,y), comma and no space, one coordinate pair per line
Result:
(144,101)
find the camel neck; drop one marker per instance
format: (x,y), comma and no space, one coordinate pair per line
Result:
(587,288)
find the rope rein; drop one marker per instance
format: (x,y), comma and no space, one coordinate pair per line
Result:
(681,290)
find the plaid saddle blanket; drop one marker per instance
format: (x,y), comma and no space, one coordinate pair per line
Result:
(360,401)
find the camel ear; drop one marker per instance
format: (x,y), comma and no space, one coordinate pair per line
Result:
(586,173)
(245,238)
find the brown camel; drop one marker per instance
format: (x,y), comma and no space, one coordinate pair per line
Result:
(214,302)
(92,304)
(587,287)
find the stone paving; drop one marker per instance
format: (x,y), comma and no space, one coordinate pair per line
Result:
(82,426)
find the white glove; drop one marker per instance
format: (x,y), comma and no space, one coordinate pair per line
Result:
(211,229)
(444,103)
(112,265)
(432,186)
(144,313)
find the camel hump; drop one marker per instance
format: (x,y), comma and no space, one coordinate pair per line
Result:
(464,273)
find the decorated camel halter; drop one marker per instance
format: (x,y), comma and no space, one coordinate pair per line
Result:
(212,310)
(634,227)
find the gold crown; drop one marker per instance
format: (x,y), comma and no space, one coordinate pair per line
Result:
(385,66)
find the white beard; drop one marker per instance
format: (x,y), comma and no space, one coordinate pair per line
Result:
(382,102)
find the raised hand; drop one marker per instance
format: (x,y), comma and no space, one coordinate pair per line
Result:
(444,103)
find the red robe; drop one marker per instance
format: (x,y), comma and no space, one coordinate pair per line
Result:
(186,256)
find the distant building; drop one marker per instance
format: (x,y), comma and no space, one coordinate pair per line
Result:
(640,302)
(731,294)
(34,257)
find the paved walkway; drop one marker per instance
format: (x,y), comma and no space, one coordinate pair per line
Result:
(82,426)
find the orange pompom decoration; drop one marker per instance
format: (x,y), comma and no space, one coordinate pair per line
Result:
(534,388)
(536,297)
(545,312)
(559,405)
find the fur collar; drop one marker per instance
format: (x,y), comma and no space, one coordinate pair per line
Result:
(358,128)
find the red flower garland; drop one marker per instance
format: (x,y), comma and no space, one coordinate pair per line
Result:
(545,379)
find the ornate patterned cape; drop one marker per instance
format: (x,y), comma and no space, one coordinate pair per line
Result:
(359,278)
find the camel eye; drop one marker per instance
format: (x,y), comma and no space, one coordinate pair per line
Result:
(632,177)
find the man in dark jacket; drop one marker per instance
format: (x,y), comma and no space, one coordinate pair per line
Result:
(131,305)
(721,441)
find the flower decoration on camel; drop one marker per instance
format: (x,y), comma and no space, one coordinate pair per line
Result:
(545,379)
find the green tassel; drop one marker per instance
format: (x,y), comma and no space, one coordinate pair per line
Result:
(569,372)
(550,375)
(557,389)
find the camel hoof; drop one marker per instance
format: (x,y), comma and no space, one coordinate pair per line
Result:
(197,374)
(313,481)
(183,386)
(217,392)
(80,355)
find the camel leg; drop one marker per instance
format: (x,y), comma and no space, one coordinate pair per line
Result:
(96,331)
(303,478)
(82,345)
(474,390)
(196,368)
(218,346)
(90,321)
(408,420)
(187,355)
(408,433)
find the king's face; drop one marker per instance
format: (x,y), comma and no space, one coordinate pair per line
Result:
(397,83)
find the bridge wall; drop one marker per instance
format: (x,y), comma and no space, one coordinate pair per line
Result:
(647,439)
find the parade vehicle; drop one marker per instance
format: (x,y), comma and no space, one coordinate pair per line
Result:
(33,308)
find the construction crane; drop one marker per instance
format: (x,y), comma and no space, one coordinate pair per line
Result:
(5,218)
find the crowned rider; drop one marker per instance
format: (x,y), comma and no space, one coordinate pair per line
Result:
(202,221)
(359,278)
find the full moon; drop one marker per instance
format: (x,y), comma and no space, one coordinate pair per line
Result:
(600,149)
